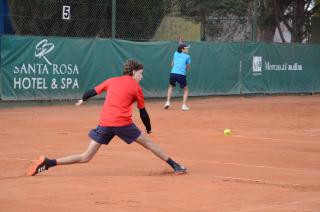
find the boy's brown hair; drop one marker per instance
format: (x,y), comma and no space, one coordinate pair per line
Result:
(131,65)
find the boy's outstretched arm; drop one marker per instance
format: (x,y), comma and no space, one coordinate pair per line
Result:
(87,95)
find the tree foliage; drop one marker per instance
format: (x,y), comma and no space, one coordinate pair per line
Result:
(294,14)
(202,10)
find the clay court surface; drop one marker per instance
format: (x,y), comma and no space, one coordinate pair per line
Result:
(270,163)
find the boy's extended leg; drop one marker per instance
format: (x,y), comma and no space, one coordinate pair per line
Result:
(44,163)
(153,147)
(82,158)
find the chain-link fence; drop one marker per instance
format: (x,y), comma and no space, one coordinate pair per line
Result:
(144,20)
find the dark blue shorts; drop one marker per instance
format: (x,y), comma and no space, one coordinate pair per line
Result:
(181,79)
(103,135)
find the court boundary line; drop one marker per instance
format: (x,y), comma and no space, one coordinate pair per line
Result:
(279,205)
(272,139)
(185,159)
(235,179)
(251,165)
(214,176)
(257,181)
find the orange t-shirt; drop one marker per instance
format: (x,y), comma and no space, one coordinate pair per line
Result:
(122,92)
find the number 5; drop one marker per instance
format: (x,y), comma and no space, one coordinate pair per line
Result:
(66,12)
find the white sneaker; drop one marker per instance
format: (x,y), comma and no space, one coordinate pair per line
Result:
(185,107)
(167,105)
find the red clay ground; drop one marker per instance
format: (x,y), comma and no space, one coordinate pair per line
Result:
(270,163)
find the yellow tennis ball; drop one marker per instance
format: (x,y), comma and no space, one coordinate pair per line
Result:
(227,132)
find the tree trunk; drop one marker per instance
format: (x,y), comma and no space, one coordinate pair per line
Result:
(203,28)
(266,22)
(298,21)
(266,34)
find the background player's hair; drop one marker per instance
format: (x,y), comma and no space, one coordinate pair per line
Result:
(182,46)
(180,49)
(131,65)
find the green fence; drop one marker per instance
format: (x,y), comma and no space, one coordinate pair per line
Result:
(280,68)
(51,68)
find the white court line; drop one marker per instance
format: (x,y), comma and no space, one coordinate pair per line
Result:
(279,205)
(239,179)
(28,152)
(220,130)
(18,153)
(272,139)
(270,183)
(256,181)
(251,166)
(311,130)
(197,161)
(304,133)
(262,138)
(16,159)
(43,133)
(201,161)
(23,159)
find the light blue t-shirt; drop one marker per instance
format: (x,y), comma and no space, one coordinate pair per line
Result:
(180,61)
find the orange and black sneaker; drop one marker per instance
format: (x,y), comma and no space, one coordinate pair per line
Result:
(39,166)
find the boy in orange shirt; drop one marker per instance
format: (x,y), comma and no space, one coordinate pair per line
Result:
(115,119)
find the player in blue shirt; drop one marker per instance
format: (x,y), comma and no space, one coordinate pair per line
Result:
(180,65)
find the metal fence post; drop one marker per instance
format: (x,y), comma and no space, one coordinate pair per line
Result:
(254,27)
(113,24)
(1,17)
